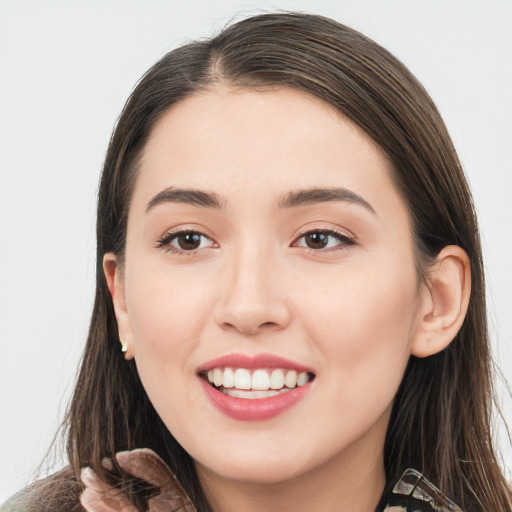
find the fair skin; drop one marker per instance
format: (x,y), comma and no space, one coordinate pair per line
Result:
(259,280)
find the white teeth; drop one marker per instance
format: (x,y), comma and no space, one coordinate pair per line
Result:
(243,379)
(229,378)
(217,377)
(253,394)
(302,379)
(291,379)
(261,380)
(277,379)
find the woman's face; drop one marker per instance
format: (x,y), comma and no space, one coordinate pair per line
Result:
(267,244)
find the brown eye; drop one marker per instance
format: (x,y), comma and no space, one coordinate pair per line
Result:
(188,241)
(185,241)
(316,240)
(324,239)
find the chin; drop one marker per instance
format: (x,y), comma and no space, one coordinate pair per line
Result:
(260,471)
(264,459)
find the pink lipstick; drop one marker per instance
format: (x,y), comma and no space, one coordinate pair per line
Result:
(255,387)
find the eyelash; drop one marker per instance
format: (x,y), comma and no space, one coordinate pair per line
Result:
(165,242)
(344,241)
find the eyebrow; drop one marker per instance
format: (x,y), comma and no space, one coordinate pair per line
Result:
(323,195)
(193,197)
(293,199)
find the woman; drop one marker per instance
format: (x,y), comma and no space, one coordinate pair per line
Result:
(289,262)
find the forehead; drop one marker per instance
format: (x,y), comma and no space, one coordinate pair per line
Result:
(262,143)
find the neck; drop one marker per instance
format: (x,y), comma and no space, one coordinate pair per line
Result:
(352,481)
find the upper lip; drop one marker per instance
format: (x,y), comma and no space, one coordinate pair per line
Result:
(252,362)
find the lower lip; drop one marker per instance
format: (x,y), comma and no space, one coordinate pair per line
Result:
(255,409)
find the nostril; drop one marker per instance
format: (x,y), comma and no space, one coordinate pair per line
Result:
(250,328)
(269,325)
(229,327)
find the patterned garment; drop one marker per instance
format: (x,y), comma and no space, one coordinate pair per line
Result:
(412,493)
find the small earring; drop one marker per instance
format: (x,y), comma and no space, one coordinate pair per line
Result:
(124,350)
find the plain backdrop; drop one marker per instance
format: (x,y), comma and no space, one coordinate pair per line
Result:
(66,69)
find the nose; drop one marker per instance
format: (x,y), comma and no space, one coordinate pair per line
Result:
(252,298)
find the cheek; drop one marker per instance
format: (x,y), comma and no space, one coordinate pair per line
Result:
(167,315)
(361,332)
(363,323)
(166,310)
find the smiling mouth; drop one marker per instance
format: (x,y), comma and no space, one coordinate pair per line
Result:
(255,383)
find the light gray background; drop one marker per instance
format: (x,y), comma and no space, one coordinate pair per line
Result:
(66,69)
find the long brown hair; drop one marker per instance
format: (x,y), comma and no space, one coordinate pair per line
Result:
(440,422)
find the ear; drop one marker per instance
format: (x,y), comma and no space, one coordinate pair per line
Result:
(445,300)
(115,282)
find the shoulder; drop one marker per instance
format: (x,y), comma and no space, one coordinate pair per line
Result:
(58,492)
